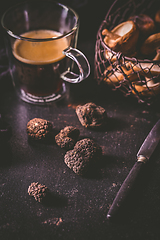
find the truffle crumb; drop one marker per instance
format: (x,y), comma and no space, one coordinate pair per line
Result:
(84,155)
(91,115)
(67,137)
(38,191)
(39,129)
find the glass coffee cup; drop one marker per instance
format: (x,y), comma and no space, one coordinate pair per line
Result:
(41,39)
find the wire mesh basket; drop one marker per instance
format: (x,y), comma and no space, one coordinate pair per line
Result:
(131,75)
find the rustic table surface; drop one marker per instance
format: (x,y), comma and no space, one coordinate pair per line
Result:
(79,205)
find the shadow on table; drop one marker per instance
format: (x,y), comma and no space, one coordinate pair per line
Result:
(100,170)
(55,200)
(5,154)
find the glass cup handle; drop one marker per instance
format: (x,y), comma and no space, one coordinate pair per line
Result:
(82,63)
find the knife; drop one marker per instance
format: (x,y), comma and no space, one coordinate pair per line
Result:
(143,156)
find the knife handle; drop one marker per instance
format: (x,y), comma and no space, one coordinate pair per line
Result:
(125,189)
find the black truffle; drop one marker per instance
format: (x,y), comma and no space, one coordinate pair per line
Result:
(83,156)
(38,191)
(67,137)
(39,129)
(91,115)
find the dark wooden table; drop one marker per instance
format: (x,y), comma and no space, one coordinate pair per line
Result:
(79,206)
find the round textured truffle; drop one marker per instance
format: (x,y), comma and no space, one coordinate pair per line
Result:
(67,137)
(38,191)
(91,115)
(84,154)
(38,128)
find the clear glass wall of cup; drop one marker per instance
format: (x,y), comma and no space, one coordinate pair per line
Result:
(41,39)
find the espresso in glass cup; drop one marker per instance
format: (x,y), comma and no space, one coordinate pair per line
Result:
(41,39)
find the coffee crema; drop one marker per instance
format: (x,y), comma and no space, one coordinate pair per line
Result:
(43,52)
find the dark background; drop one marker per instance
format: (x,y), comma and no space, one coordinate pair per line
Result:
(79,205)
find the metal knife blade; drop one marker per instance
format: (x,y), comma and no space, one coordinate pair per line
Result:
(143,156)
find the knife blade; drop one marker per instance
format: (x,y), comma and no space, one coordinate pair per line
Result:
(143,156)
